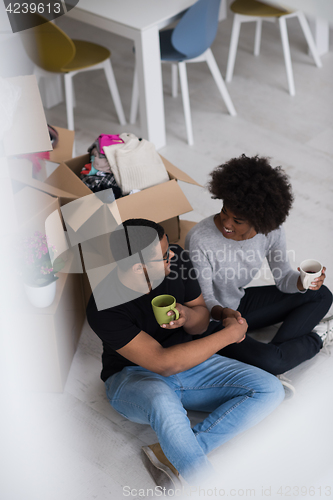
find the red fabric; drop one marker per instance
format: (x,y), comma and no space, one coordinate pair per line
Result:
(86,169)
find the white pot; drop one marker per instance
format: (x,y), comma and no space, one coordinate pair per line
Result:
(41,296)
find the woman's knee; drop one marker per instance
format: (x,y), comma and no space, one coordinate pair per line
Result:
(323,294)
(326,294)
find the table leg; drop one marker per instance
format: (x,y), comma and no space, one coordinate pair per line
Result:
(148,63)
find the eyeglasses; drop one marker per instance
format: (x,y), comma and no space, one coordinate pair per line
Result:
(167,257)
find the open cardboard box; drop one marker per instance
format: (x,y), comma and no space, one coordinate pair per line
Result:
(162,203)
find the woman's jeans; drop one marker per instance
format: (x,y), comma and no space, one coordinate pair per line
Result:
(235,395)
(294,342)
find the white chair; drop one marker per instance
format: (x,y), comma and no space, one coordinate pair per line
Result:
(252,10)
(189,42)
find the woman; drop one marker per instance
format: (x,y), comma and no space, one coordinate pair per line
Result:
(227,250)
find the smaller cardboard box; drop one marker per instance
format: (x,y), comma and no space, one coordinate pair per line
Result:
(46,339)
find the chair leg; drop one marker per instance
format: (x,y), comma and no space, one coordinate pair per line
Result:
(233,48)
(174,80)
(114,91)
(186,101)
(73,97)
(69,100)
(219,82)
(286,54)
(257,38)
(309,38)
(37,74)
(135,98)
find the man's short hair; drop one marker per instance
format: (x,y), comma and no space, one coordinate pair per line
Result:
(131,238)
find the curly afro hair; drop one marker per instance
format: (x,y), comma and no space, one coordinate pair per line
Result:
(253,190)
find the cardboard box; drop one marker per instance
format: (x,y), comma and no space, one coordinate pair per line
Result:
(22,168)
(64,148)
(162,203)
(45,340)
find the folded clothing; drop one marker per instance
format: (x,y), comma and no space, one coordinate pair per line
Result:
(135,164)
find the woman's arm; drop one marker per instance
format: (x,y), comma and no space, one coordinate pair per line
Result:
(286,279)
(204,270)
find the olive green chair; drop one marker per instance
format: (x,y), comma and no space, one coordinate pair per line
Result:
(52,51)
(252,10)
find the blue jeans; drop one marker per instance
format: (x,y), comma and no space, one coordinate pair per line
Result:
(294,342)
(236,396)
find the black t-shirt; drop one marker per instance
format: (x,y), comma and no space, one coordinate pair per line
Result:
(117,326)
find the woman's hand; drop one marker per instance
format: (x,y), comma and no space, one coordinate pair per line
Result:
(315,284)
(227,312)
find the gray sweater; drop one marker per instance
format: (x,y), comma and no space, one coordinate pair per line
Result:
(224,267)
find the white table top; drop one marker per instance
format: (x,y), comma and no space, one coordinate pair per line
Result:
(137,14)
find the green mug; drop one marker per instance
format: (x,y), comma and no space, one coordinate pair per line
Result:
(162,304)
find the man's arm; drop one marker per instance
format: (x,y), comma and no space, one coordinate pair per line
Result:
(145,351)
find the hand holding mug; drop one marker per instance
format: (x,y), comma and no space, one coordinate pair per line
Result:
(162,305)
(177,322)
(312,274)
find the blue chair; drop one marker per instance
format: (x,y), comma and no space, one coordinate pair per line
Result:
(189,42)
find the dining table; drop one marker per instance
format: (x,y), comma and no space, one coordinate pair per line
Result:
(139,21)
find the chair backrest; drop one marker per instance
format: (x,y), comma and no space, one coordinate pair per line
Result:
(197,29)
(47,45)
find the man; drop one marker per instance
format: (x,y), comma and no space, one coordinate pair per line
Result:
(154,373)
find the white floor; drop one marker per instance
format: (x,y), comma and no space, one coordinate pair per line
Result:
(79,447)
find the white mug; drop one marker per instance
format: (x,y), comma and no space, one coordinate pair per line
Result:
(310,269)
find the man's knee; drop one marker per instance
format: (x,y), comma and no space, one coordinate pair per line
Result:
(273,388)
